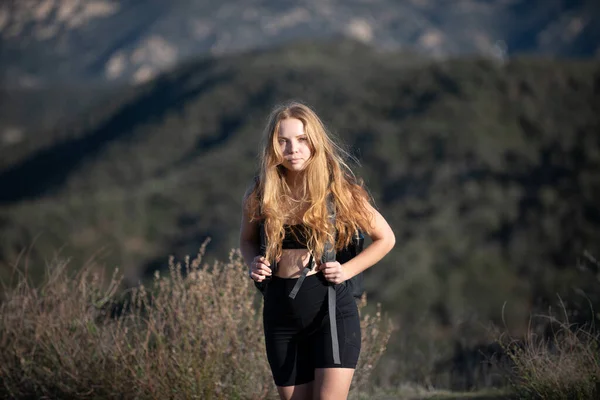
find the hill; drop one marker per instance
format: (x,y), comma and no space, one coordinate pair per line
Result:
(487,172)
(47,42)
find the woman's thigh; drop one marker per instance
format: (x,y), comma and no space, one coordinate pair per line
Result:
(297,392)
(329,384)
(332,383)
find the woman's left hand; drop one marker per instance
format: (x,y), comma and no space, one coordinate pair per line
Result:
(333,272)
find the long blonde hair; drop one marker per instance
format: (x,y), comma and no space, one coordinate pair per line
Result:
(326,174)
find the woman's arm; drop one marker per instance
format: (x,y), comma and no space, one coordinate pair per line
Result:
(383,241)
(250,247)
(249,240)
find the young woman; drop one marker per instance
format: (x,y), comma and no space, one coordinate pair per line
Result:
(302,173)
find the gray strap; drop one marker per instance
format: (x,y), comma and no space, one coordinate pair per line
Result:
(329,255)
(335,346)
(263,238)
(305,270)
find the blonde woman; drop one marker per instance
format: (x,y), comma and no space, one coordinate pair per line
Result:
(302,173)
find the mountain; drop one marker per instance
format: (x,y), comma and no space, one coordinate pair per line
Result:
(50,41)
(487,171)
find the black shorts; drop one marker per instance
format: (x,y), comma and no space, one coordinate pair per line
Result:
(297,332)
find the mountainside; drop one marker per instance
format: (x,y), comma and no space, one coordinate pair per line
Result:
(49,41)
(487,172)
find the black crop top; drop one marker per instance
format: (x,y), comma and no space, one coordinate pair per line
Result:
(295,237)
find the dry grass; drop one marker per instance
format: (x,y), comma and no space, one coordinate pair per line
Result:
(563,365)
(196,333)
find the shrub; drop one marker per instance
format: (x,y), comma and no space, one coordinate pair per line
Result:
(563,363)
(195,333)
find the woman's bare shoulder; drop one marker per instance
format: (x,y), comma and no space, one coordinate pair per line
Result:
(250,189)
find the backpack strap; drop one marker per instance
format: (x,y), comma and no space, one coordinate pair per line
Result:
(302,277)
(263,248)
(329,255)
(262,286)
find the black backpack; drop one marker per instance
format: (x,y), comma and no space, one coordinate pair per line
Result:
(355,284)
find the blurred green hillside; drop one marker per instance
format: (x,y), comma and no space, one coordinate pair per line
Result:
(488,172)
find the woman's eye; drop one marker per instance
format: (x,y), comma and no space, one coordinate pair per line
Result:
(281,141)
(303,139)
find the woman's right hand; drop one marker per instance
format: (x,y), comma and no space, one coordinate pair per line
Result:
(260,269)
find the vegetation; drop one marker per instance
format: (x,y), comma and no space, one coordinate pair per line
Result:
(487,172)
(195,333)
(561,362)
(565,365)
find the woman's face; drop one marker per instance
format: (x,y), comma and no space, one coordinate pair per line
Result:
(293,144)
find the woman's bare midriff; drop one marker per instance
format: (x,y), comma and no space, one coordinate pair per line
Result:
(292,262)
